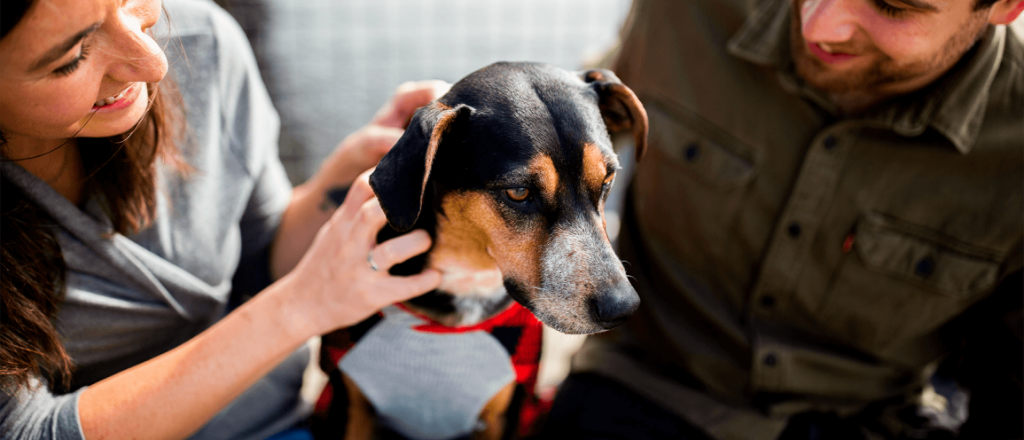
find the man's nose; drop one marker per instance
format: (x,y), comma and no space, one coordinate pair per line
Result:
(828,21)
(140,58)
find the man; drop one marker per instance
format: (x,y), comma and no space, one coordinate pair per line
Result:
(831,208)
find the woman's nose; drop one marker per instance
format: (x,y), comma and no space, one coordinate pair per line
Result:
(138,56)
(828,21)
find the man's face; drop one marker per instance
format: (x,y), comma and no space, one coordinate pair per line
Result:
(880,47)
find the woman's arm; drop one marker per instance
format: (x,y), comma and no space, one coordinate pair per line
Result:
(312,202)
(318,258)
(173,395)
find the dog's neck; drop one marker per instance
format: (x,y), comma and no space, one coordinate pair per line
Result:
(472,287)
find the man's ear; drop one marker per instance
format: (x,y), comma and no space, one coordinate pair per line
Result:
(620,107)
(401,176)
(1005,11)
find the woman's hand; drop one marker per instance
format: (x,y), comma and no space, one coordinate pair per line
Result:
(332,286)
(313,202)
(365,147)
(335,277)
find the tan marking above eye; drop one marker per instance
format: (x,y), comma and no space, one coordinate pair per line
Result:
(547,180)
(517,194)
(595,169)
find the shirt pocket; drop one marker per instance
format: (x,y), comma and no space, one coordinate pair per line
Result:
(703,151)
(924,257)
(903,281)
(690,189)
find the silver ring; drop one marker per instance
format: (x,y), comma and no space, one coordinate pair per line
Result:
(373,264)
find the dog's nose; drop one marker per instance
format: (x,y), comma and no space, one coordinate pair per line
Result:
(611,307)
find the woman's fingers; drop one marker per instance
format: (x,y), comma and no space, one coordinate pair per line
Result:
(379,140)
(358,194)
(408,97)
(399,249)
(369,221)
(398,289)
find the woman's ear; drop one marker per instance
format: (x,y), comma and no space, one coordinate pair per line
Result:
(401,176)
(1005,11)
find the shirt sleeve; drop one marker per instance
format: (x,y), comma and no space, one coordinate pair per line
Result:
(34,412)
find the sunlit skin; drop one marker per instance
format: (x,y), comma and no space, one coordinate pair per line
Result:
(862,52)
(52,79)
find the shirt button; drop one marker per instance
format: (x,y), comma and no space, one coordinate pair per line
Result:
(830,142)
(768,301)
(794,229)
(692,152)
(925,267)
(770,360)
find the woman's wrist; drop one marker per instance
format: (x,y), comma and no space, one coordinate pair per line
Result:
(298,308)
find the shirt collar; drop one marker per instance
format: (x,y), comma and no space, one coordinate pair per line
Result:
(953,105)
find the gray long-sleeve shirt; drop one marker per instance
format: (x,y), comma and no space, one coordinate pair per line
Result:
(129,299)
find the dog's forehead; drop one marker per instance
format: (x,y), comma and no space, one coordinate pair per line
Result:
(526,110)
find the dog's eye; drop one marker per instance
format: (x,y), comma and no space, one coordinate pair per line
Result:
(517,194)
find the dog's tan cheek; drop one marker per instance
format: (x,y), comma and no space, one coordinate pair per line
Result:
(486,232)
(459,237)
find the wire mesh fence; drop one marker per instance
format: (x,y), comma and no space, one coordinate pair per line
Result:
(329,64)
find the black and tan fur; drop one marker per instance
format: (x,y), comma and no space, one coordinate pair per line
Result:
(508,172)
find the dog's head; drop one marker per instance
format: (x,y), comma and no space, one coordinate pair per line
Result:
(516,162)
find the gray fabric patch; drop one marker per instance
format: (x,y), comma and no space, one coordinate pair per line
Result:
(427,386)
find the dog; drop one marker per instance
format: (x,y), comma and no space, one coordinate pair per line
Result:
(508,173)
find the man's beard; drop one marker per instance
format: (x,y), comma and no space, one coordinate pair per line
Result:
(883,70)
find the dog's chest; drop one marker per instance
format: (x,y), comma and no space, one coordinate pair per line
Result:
(430,381)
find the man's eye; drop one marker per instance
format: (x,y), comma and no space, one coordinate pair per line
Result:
(890,10)
(517,194)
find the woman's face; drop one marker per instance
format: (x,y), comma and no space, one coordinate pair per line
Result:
(78,66)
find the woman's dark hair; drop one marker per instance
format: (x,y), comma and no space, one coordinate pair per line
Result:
(122,176)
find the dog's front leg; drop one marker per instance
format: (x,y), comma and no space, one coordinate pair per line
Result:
(361,416)
(493,414)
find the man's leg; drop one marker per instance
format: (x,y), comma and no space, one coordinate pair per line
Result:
(589,406)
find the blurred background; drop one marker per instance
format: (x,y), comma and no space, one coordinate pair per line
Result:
(330,64)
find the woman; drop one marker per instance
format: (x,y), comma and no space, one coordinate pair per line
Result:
(121,239)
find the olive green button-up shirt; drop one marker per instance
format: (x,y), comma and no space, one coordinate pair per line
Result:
(789,259)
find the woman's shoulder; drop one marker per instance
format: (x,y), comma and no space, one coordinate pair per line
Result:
(195,27)
(192,17)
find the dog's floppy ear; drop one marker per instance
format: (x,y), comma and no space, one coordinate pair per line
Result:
(401,176)
(620,108)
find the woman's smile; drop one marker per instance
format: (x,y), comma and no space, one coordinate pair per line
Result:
(121,100)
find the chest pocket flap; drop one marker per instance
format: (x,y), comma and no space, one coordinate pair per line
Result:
(710,155)
(925,257)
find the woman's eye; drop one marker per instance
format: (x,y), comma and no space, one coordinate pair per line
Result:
(70,68)
(517,194)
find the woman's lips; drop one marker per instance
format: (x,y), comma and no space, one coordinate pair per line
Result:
(830,58)
(119,101)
